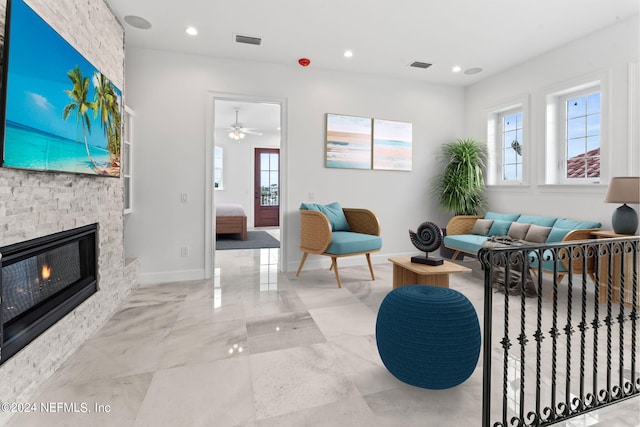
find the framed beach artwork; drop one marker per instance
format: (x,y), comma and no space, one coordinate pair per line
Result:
(392,145)
(364,143)
(62,114)
(348,142)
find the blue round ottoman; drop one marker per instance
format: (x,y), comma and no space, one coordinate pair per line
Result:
(428,336)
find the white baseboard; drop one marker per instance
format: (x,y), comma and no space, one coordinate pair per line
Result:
(171,276)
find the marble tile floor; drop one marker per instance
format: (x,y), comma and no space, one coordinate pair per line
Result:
(255,347)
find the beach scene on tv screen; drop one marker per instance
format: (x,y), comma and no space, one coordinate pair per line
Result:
(62,114)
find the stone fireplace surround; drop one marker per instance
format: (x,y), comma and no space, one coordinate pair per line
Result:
(42,280)
(35,204)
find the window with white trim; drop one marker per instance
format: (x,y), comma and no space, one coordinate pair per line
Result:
(217,168)
(582,133)
(511,143)
(576,128)
(507,143)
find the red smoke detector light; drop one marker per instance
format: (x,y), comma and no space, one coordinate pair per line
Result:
(304,62)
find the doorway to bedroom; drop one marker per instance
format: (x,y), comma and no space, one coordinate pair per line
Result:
(246,172)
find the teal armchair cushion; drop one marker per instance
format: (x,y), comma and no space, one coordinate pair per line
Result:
(333,212)
(346,242)
(309,207)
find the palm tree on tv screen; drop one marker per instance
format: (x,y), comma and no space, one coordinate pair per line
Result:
(106,106)
(81,106)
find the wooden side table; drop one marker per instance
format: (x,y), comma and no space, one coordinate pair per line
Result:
(615,273)
(406,272)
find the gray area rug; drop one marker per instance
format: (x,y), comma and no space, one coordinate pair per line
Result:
(255,240)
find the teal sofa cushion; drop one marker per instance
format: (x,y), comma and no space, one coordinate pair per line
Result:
(499,228)
(576,225)
(333,212)
(465,242)
(346,242)
(543,221)
(501,216)
(567,224)
(557,234)
(586,225)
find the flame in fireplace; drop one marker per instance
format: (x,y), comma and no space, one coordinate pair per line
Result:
(46,272)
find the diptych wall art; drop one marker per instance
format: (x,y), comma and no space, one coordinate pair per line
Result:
(364,143)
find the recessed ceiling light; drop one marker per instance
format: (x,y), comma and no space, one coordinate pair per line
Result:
(348,53)
(474,70)
(456,69)
(192,31)
(137,22)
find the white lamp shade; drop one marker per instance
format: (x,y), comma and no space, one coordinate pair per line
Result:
(623,189)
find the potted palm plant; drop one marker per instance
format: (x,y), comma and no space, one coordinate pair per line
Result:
(459,189)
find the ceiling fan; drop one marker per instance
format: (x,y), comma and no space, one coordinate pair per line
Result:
(237,131)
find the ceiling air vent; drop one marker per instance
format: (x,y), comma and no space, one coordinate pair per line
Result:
(418,64)
(248,39)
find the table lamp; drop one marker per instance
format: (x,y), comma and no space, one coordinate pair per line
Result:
(624,189)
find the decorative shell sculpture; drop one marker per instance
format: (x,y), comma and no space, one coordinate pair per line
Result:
(428,238)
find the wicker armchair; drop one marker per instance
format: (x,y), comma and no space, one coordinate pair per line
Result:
(316,237)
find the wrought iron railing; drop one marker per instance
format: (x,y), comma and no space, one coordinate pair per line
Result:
(269,195)
(563,347)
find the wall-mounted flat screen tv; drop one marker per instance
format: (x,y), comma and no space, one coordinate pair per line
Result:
(62,114)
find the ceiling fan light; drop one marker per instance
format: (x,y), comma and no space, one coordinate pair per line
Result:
(236,135)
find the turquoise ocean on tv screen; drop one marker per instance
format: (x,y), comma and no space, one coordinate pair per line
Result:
(34,149)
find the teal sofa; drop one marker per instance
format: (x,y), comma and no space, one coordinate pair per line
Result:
(467,233)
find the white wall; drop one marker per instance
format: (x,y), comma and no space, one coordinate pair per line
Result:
(168,92)
(612,51)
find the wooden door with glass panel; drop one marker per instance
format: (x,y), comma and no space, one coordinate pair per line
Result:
(267,187)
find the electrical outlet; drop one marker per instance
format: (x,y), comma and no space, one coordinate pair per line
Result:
(184,251)
(312,196)
(184,197)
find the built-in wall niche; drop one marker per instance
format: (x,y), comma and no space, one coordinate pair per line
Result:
(41,281)
(127,159)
